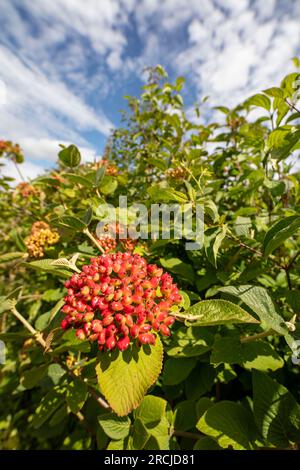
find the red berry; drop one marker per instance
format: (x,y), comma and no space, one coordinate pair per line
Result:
(123,343)
(97,326)
(80,334)
(134,331)
(111,342)
(165,330)
(64,324)
(147,338)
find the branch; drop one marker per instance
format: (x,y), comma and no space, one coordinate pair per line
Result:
(264,334)
(189,435)
(292,106)
(93,239)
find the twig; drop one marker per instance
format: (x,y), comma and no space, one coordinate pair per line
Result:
(18,170)
(189,435)
(288,278)
(36,334)
(91,237)
(98,399)
(248,339)
(84,422)
(243,245)
(292,106)
(287,269)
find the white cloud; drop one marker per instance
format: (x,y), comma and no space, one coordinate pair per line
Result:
(48,102)
(28,170)
(47,150)
(60,59)
(239,50)
(44,154)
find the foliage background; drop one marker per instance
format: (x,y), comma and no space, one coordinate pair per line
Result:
(224,384)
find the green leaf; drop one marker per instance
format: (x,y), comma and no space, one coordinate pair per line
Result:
(78,179)
(206,443)
(259,301)
(253,355)
(276,411)
(11,256)
(152,414)
(140,435)
(5,304)
(114,426)
(277,188)
(99,175)
(87,218)
(259,100)
(49,404)
(177,266)
(202,405)
(279,232)
(72,343)
(43,321)
(200,381)
(72,222)
(242,226)
(76,394)
(212,242)
(151,410)
(57,307)
(167,195)
(281,142)
(32,377)
(125,377)
(108,185)
(230,424)
(189,342)
(274,92)
(70,156)
(185,416)
(218,312)
(288,84)
(59,415)
(18,336)
(47,265)
(177,370)
(55,373)
(117,445)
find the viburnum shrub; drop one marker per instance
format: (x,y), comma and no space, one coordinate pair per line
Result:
(119,298)
(91,356)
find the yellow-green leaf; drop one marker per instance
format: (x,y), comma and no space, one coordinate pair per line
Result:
(124,377)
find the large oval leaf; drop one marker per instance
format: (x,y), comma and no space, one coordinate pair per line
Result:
(70,156)
(125,377)
(218,312)
(277,414)
(230,424)
(282,230)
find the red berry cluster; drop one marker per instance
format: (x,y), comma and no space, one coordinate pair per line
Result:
(129,244)
(119,298)
(108,241)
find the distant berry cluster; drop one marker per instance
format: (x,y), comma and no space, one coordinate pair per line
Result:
(118,299)
(40,238)
(115,233)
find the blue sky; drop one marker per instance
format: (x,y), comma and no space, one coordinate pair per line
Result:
(65,65)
